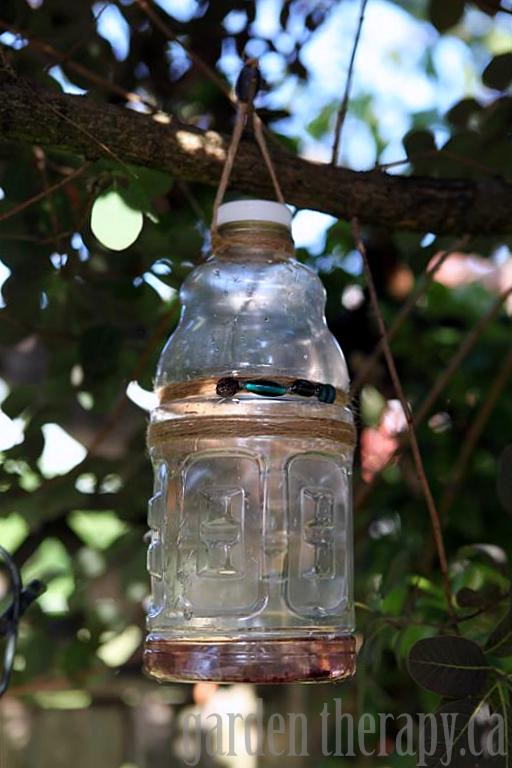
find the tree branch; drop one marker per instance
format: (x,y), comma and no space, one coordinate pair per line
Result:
(79,125)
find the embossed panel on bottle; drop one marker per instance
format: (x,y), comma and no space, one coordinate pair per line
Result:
(317,557)
(219,539)
(220,532)
(157,509)
(155,560)
(158,502)
(317,506)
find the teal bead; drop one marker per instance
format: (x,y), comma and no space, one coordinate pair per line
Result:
(265,388)
(327,394)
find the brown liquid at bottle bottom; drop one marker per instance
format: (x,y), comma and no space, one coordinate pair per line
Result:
(251,661)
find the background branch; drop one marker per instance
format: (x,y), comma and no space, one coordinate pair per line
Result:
(411,433)
(79,125)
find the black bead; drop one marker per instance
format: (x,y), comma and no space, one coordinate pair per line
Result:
(303,388)
(227,387)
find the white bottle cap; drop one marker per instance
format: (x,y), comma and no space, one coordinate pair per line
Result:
(254,210)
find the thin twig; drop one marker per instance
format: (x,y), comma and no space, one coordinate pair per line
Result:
(101,144)
(62,235)
(74,66)
(168,32)
(441,154)
(40,156)
(156,18)
(462,352)
(422,285)
(473,435)
(342,112)
(411,433)
(43,194)
(104,147)
(85,37)
(192,201)
(28,86)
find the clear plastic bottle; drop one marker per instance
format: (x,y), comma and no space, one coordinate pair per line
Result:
(251,522)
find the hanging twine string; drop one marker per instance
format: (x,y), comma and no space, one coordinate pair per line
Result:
(247,86)
(192,425)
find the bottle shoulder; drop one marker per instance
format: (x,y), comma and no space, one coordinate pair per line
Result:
(260,317)
(226,282)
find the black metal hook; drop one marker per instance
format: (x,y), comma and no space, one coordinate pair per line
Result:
(22,598)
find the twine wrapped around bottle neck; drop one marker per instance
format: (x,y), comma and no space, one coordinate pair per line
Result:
(256,236)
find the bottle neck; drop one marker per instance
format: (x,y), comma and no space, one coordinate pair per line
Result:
(242,240)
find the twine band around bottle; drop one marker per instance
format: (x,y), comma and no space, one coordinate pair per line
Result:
(227,387)
(279,243)
(220,427)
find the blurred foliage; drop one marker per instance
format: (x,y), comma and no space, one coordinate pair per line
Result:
(80,321)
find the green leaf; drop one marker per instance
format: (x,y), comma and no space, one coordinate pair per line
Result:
(143,188)
(495,120)
(97,529)
(154,183)
(372,405)
(99,350)
(418,142)
(18,400)
(445,13)
(393,603)
(468,598)
(462,112)
(504,481)
(500,640)
(498,73)
(320,125)
(420,147)
(505,711)
(448,665)
(452,738)
(114,223)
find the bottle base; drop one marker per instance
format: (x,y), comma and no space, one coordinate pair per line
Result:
(273,661)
